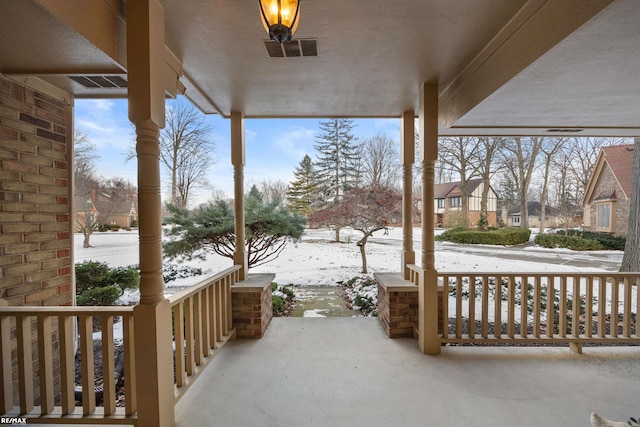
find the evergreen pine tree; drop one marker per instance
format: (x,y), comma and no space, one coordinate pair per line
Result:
(302,195)
(336,158)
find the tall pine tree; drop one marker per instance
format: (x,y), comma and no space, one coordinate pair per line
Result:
(302,195)
(336,160)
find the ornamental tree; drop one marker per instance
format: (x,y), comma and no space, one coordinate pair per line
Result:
(367,209)
(210,228)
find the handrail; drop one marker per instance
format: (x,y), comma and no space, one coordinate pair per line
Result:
(202,325)
(39,328)
(512,307)
(197,287)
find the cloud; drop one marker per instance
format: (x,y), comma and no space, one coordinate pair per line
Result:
(293,143)
(99,104)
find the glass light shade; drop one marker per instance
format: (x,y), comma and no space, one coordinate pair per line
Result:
(280,18)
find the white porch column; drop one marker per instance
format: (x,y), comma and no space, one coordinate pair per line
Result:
(428,289)
(152,316)
(237,159)
(407,154)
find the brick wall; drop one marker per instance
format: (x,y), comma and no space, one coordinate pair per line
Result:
(35,239)
(252,305)
(398,305)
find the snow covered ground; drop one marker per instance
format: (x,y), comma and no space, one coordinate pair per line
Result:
(316,260)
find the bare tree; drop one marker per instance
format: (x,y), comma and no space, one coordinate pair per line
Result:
(519,159)
(185,150)
(460,154)
(85,182)
(631,258)
(273,191)
(381,161)
(97,200)
(550,147)
(84,155)
(486,154)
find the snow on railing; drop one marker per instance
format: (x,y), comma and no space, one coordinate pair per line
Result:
(202,325)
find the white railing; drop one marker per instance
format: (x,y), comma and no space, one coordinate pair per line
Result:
(30,334)
(516,308)
(202,325)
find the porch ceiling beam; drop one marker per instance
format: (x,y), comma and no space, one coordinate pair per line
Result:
(534,30)
(99,21)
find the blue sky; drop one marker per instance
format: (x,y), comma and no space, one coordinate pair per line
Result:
(274,147)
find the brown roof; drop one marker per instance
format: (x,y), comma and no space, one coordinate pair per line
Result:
(452,189)
(620,160)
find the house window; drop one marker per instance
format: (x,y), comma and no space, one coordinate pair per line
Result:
(604,216)
(454,202)
(515,220)
(440,203)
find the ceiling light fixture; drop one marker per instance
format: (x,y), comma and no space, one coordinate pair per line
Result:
(280,18)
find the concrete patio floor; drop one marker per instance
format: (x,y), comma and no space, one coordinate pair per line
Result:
(346,372)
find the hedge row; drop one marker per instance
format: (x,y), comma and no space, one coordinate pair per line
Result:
(505,236)
(607,240)
(575,243)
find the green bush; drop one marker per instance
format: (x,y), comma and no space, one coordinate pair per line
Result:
(607,240)
(107,295)
(98,284)
(125,277)
(505,236)
(282,299)
(91,274)
(575,243)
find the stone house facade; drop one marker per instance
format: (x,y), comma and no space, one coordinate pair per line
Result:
(608,192)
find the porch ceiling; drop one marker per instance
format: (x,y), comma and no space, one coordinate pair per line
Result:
(503,66)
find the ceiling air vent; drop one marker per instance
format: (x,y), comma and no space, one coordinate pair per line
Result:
(565,130)
(292,49)
(100,82)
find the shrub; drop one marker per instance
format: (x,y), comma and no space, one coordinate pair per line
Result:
(455,219)
(98,284)
(570,242)
(126,277)
(91,274)
(172,272)
(107,295)
(505,236)
(282,298)
(362,293)
(607,240)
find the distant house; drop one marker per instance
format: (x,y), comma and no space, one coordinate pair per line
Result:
(448,199)
(552,217)
(608,192)
(120,210)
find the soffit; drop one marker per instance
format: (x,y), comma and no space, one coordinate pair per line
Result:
(373,55)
